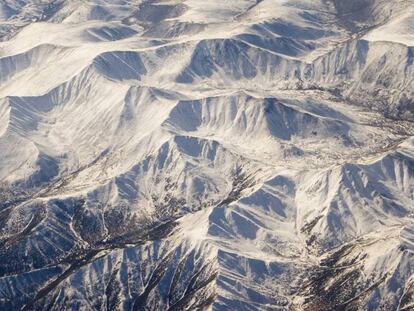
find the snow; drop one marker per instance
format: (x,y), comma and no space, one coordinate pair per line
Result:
(399,30)
(178,155)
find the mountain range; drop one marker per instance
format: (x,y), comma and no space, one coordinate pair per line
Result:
(207,155)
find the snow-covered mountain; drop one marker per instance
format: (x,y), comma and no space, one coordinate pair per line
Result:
(207,155)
